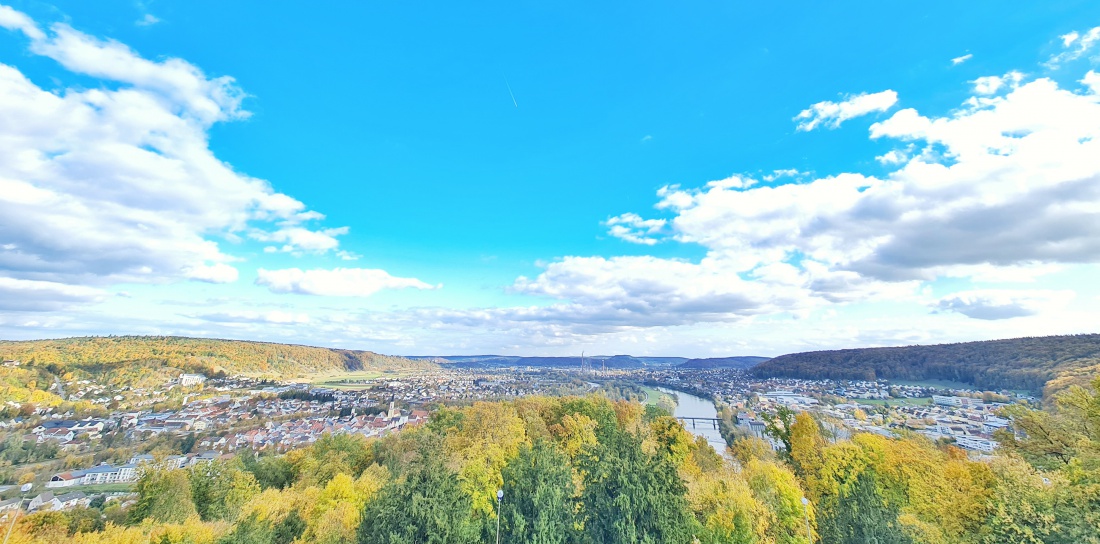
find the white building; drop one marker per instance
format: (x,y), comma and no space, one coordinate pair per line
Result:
(187,380)
(975,443)
(957,401)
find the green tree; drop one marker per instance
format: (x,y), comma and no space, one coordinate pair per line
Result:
(427,507)
(538,504)
(859,516)
(779,428)
(220,489)
(633,497)
(163,496)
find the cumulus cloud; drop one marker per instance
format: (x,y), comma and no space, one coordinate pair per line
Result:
(215,273)
(993,304)
(632,228)
(1092,81)
(117,183)
(1075,45)
(991,84)
(832,114)
(30,295)
(338,282)
(1007,190)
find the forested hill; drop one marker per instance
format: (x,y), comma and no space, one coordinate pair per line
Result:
(1020,363)
(199,354)
(742,363)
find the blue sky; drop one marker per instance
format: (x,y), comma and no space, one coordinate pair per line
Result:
(533,178)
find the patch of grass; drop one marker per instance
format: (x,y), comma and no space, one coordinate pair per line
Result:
(651,395)
(346,380)
(942,384)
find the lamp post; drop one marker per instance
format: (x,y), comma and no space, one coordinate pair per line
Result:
(500,497)
(806,512)
(18,509)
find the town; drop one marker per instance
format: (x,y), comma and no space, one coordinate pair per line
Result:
(74,457)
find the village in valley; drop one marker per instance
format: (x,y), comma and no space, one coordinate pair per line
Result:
(70,459)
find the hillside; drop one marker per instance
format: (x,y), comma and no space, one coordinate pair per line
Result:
(742,363)
(1051,362)
(98,354)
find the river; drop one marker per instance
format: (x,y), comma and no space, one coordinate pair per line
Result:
(691,406)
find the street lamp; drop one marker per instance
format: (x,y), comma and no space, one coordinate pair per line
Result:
(18,509)
(500,497)
(806,512)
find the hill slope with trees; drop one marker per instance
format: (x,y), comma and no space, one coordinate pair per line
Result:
(95,354)
(1051,362)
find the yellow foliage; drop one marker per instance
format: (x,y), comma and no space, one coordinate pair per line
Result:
(725,505)
(574,433)
(488,436)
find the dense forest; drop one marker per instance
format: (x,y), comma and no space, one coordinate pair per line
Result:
(742,363)
(594,471)
(1051,362)
(95,354)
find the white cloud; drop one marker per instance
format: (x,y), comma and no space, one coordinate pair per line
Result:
(215,273)
(993,304)
(893,157)
(338,282)
(116,183)
(274,317)
(832,114)
(959,60)
(147,20)
(782,173)
(30,295)
(1092,81)
(16,20)
(1008,191)
(1075,45)
(299,239)
(991,84)
(632,228)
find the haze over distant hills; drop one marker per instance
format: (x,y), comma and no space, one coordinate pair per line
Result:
(597,361)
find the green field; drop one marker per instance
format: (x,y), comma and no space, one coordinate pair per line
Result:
(943,384)
(652,395)
(336,380)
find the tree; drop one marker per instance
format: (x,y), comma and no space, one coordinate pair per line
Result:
(805,444)
(427,507)
(861,517)
(632,497)
(220,489)
(779,428)
(538,497)
(163,496)
(777,488)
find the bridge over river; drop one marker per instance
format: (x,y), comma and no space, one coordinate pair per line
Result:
(696,422)
(699,417)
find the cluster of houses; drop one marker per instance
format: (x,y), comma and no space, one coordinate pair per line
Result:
(954,415)
(129,472)
(69,433)
(297,433)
